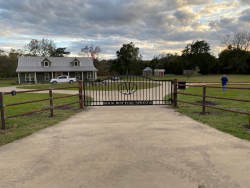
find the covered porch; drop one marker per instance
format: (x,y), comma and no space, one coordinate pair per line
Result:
(45,77)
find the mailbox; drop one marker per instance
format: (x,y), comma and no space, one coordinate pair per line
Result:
(182,85)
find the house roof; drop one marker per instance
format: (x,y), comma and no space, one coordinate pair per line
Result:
(58,64)
(159,70)
(147,69)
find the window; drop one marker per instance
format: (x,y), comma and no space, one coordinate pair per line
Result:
(29,77)
(46,63)
(62,77)
(76,63)
(46,76)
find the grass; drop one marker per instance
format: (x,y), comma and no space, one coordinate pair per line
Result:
(207,78)
(232,123)
(8,82)
(23,126)
(96,86)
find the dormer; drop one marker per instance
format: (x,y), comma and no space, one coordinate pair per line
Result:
(46,63)
(75,63)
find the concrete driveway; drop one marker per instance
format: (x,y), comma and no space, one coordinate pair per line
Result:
(126,147)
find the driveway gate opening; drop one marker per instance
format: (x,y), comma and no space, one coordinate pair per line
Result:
(127,90)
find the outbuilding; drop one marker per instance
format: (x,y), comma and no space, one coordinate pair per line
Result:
(147,72)
(159,72)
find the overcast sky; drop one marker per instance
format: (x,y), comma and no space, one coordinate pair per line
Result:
(155,26)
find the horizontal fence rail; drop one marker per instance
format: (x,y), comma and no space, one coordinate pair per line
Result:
(50,107)
(204,96)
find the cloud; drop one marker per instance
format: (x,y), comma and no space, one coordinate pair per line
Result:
(245,17)
(154,25)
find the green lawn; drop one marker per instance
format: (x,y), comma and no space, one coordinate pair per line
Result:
(99,86)
(26,125)
(228,122)
(207,78)
(8,82)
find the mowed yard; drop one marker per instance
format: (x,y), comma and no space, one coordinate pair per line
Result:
(232,123)
(8,82)
(22,126)
(208,78)
(235,124)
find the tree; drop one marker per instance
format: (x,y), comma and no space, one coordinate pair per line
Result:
(128,59)
(234,61)
(1,52)
(44,47)
(198,55)
(240,40)
(198,47)
(91,51)
(59,52)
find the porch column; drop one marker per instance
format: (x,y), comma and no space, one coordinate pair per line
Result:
(82,76)
(52,75)
(95,75)
(35,78)
(19,80)
(68,74)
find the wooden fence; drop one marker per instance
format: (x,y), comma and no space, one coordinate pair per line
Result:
(204,97)
(50,100)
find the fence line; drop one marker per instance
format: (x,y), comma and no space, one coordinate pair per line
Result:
(204,97)
(50,99)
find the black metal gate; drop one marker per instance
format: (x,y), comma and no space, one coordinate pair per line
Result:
(127,90)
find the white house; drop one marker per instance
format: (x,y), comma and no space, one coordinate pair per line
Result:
(42,69)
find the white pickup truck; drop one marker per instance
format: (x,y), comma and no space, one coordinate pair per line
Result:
(62,79)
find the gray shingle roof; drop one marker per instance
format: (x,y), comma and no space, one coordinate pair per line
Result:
(58,64)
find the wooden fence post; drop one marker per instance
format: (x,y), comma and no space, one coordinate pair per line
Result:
(2,111)
(51,103)
(249,122)
(204,99)
(175,93)
(80,95)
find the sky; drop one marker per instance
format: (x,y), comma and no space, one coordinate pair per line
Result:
(155,26)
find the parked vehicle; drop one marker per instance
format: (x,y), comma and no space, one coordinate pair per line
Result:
(62,79)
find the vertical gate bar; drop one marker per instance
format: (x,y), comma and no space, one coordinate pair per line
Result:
(159,94)
(151,91)
(131,87)
(109,91)
(93,92)
(143,88)
(84,93)
(115,90)
(147,89)
(139,86)
(80,95)
(204,99)
(105,91)
(96,92)
(51,103)
(163,92)
(100,90)
(175,93)
(2,111)
(171,90)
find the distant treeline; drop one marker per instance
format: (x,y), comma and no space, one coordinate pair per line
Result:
(235,59)
(230,61)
